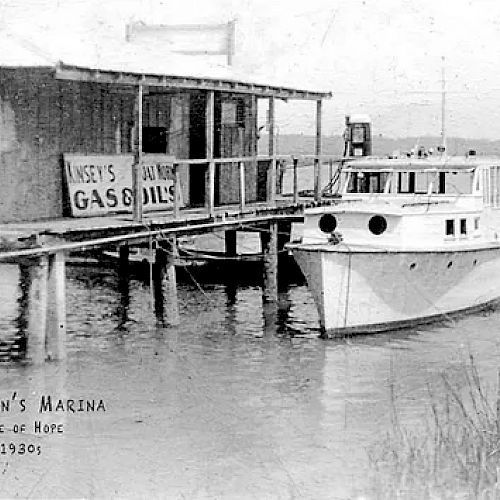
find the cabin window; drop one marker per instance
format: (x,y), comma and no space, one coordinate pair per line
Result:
(450,227)
(406,182)
(463,226)
(476,223)
(367,182)
(459,182)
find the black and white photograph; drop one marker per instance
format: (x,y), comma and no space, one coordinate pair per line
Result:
(250,249)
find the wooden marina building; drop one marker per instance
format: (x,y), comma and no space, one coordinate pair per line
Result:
(126,146)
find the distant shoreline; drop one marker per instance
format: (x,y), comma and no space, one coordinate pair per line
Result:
(333,145)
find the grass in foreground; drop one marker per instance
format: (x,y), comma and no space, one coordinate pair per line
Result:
(456,456)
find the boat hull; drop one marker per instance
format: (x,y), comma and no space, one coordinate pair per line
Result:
(374,290)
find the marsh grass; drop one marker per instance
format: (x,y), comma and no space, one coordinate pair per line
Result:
(455,455)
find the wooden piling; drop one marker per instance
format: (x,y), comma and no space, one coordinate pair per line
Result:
(230,238)
(123,264)
(269,241)
(37,310)
(165,283)
(123,285)
(56,307)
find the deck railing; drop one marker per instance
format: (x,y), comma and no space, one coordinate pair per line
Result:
(275,169)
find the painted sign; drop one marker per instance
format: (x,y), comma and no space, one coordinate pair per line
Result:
(102,184)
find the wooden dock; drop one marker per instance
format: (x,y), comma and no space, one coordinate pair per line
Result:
(40,249)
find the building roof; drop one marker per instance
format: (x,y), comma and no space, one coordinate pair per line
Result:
(127,63)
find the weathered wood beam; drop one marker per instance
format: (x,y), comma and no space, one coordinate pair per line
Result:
(118,77)
(137,174)
(56,303)
(269,242)
(271,188)
(165,283)
(210,135)
(317,161)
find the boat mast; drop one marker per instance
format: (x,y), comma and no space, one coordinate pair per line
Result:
(443,106)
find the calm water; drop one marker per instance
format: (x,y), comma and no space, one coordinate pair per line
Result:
(243,400)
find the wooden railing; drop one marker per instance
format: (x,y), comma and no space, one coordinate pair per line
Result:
(273,176)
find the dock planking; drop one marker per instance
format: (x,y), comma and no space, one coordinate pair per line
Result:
(34,239)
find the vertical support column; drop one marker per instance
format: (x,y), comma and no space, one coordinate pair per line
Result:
(330,176)
(37,310)
(209,128)
(317,160)
(177,191)
(165,283)
(242,185)
(56,302)
(123,285)
(230,238)
(124,262)
(271,178)
(137,174)
(22,320)
(295,180)
(269,241)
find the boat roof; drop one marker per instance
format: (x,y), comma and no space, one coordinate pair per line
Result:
(128,63)
(434,163)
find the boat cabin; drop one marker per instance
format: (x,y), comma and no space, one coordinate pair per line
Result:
(412,202)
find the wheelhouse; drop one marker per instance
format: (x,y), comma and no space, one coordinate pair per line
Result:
(422,178)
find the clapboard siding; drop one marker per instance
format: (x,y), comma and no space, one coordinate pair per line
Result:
(41,118)
(236,141)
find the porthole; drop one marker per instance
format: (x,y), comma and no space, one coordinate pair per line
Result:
(449,264)
(377,224)
(413,265)
(327,223)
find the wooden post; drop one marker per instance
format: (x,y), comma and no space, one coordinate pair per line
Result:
(330,175)
(271,188)
(230,238)
(137,174)
(22,320)
(165,283)
(37,310)
(242,186)
(177,191)
(56,302)
(317,160)
(295,180)
(269,241)
(123,285)
(209,130)
(123,264)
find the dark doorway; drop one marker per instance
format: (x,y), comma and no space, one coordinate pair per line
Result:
(197,148)
(154,140)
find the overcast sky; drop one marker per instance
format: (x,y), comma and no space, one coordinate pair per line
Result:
(380,57)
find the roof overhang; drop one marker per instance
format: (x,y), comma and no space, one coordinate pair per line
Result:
(97,75)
